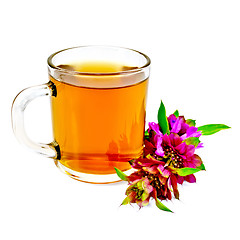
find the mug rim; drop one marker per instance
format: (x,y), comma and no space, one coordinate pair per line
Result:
(72,72)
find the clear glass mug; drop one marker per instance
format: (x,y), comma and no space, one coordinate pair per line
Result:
(98,104)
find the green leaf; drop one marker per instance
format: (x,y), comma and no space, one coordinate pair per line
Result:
(187,171)
(126,201)
(176,113)
(162,119)
(146,134)
(192,141)
(212,128)
(202,167)
(162,206)
(191,122)
(122,175)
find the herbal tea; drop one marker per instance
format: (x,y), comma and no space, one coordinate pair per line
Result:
(98,129)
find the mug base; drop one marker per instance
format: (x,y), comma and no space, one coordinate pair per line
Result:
(90,178)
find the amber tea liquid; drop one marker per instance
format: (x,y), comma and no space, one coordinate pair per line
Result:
(98,129)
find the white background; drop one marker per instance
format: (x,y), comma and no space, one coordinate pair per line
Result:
(195,51)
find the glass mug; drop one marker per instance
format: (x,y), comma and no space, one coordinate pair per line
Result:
(98,104)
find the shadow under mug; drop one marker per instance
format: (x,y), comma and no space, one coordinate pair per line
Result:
(98,105)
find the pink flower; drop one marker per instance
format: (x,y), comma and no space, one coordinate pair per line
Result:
(177,125)
(177,151)
(177,154)
(138,192)
(168,159)
(158,176)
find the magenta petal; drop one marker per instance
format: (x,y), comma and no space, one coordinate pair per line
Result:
(172,119)
(193,132)
(190,178)
(200,145)
(181,148)
(190,149)
(155,127)
(177,126)
(166,140)
(197,134)
(159,150)
(180,179)
(184,136)
(175,139)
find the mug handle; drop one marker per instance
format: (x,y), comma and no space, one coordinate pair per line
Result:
(20,103)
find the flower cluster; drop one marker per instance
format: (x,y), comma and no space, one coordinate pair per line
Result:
(168,159)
